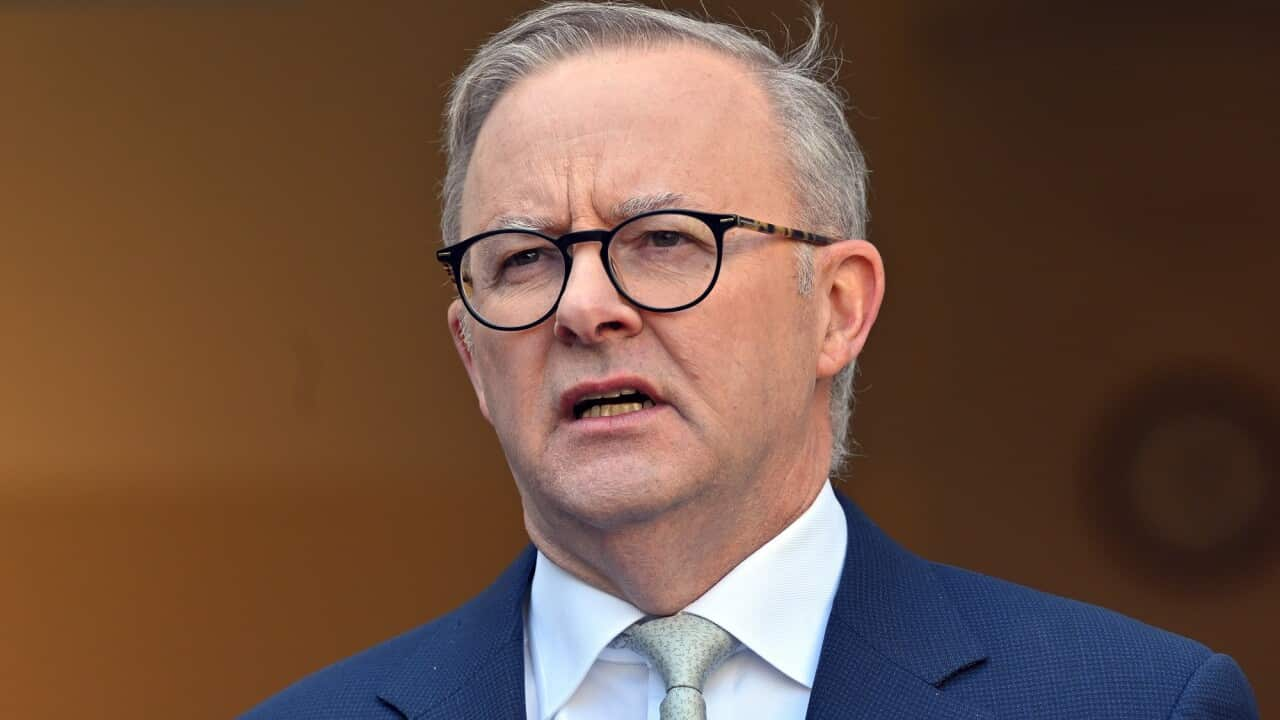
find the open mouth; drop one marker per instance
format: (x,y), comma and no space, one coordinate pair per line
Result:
(610,404)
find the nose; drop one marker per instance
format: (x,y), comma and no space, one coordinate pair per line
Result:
(591,310)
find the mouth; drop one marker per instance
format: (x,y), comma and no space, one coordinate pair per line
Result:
(610,404)
(609,398)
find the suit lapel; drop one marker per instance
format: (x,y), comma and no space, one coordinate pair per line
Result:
(893,638)
(471,667)
(892,641)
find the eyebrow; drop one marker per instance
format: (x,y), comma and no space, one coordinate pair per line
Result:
(648,203)
(522,222)
(621,211)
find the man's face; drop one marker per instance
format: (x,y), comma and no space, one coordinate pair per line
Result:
(733,378)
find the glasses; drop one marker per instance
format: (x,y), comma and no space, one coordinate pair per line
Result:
(661,261)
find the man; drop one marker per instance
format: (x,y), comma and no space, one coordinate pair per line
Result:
(668,369)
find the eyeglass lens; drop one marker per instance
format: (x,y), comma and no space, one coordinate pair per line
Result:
(661,262)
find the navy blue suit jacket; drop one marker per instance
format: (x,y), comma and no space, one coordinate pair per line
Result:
(907,639)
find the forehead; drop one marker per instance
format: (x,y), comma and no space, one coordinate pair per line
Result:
(586,134)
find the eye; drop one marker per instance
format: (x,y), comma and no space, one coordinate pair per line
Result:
(665,238)
(523,257)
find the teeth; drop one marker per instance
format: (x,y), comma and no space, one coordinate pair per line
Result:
(596,411)
(614,394)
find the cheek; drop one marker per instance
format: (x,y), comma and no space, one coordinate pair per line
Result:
(512,372)
(767,346)
(730,365)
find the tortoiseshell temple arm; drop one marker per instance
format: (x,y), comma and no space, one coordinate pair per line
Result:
(786,232)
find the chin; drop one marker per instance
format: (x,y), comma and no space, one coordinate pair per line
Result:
(609,493)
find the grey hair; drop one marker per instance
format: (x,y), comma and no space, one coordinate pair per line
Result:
(829,173)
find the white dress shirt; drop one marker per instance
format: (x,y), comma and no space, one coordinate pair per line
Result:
(775,603)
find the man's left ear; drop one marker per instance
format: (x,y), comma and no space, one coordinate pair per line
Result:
(851,275)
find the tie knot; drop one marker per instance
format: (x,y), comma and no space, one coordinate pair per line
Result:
(684,647)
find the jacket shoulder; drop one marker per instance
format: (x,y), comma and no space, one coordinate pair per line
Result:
(348,688)
(413,667)
(1044,649)
(1009,616)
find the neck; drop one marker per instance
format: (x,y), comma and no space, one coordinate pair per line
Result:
(663,563)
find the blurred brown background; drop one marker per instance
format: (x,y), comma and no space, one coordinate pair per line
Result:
(236,445)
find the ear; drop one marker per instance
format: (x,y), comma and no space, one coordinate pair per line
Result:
(457,316)
(851,277)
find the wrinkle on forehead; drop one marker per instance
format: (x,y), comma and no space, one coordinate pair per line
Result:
(595,139)
(632,206)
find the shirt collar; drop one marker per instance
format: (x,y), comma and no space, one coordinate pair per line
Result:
(569,623)
(775,602)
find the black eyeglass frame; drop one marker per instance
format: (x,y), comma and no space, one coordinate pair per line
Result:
(719,223)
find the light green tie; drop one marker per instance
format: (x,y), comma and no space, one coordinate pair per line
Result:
(685,649)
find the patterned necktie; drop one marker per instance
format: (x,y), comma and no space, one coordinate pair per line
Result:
(685,649)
